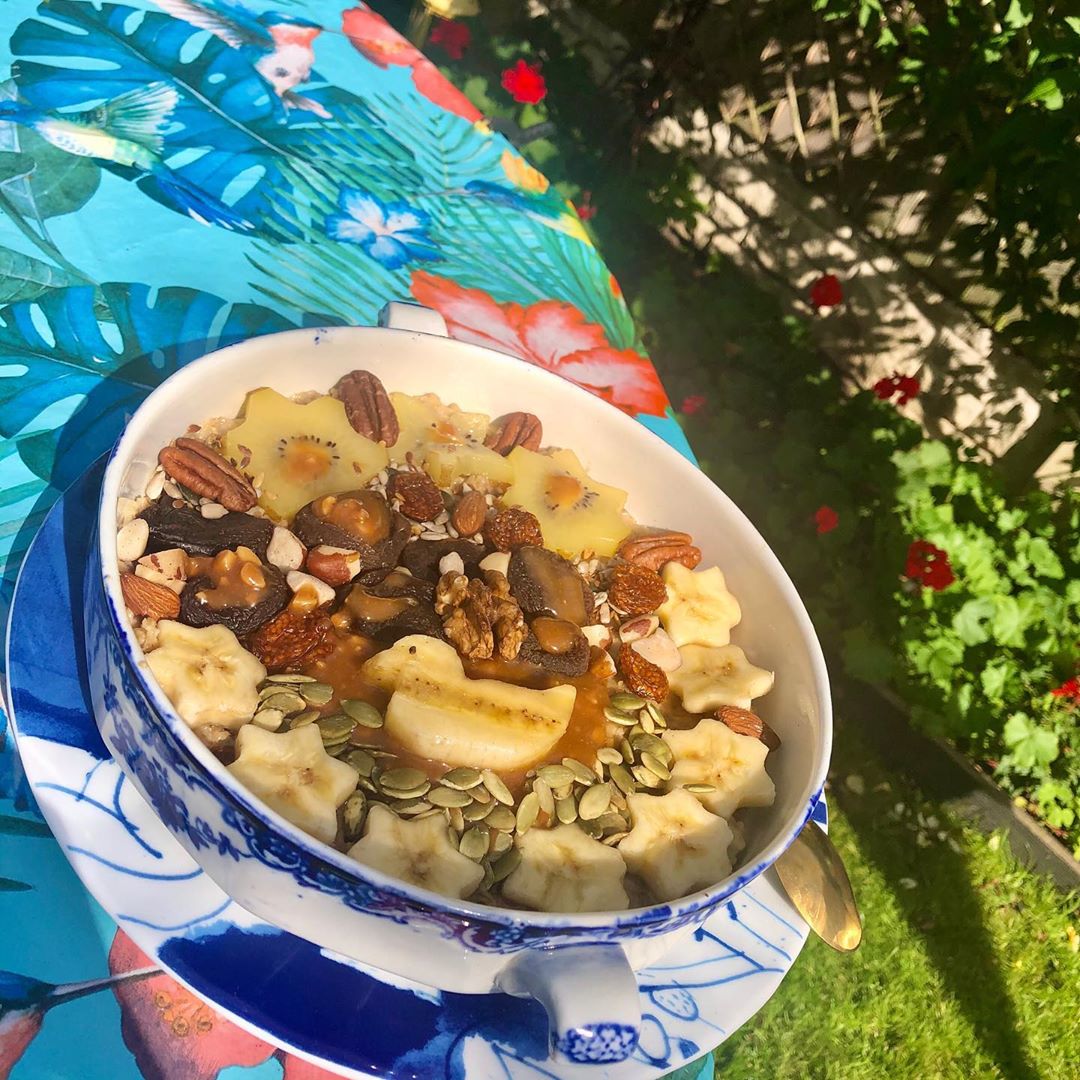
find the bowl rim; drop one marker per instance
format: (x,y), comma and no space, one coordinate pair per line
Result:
(669,457)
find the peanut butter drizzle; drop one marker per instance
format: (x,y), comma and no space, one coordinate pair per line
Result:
(560,586)
(555,636)
(363,514)
(236,578)
(362,605)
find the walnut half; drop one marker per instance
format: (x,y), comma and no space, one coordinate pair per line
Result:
(480,618)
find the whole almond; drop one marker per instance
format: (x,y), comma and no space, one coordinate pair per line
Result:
(148,598)
(515,429)
(203,470)
(335,566)
(368,406)
(745,722)
(468,516)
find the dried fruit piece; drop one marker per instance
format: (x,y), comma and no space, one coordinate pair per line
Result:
(367,406)
(558,646)
(148,598)
(642,676)
(235,590)
(745,722)
(545,583)
(415,495)
(512,528)
(207,473)
(182,527)
(291,639)
(654,549)
(390,609)
(360,521)
(515,429)
(469,513)
(636,589)
(422,557)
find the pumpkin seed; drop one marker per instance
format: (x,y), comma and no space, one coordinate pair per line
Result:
(268,719)
(361,760)
(609,755)
(414,808)
(566,810)
(364,713)
(404,794)
(505,865)
(646,778)
(648,742)
(431,812)
(617,716)
(486,883)
(286,677)
(556,776)
(591,829)
(448,797)
(618,800)
(477,811)
(474,844)
(615,838)
(335,728)
(627,702)
(622,779)
(317,693)
(367,785)
(582,773)
(610,822)
(288,701)
(462,779)
(627,752)
(501,818)
(654,711)
(594,802)
(500,842)
(352,814)
(528,811)
(700,789)
(542,790)
(308,716)
(493,782)
(481,794)
(402,778)
(655,765)
(648,725)
(457,821)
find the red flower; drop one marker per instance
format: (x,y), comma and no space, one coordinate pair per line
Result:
(173,1034)
(453,36)
(551,334)
(826,518)
(1068,689)
(585,209)
(929,565)
(524,83)
(429,80)
(885,388)
(693,403)
(908,385)
(826,292)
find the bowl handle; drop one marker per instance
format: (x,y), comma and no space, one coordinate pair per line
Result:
(403,315)
(590,993)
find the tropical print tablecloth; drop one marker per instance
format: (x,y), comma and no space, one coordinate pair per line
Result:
(179,175)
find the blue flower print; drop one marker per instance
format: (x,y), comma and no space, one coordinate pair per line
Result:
(392,233)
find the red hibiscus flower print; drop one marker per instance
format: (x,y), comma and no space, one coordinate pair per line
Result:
(692,403)
(826,292)
(826,519)
(551,334)
(172,1033)
(929,565)
(906,387)
(1070,688)
(524,83)
(452,36)
(430,82)
(585,209)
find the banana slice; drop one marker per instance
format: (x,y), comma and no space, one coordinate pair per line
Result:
(710,677)
(293,774)
(206,673)
(699,609)
(417,852)
(711,753)
(676,846)
(439,713)
(562,869)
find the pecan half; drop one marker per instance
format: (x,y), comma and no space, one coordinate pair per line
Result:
(469,513)
(515,429)
(636,589)
(745,722)
(512,528)
(367,406)
(642,676)
(653,550)
(148,598)
(207,473)
(415,495)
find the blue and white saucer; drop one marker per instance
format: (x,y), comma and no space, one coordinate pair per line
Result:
(351,1019)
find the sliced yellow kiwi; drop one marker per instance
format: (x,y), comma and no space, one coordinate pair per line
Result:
(300,451)
(446,462)
(426,421)
(575,512)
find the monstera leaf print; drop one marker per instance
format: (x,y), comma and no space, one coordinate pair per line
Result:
(75,363)
(228,134)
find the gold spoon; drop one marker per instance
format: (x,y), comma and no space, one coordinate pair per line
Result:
(813,875)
